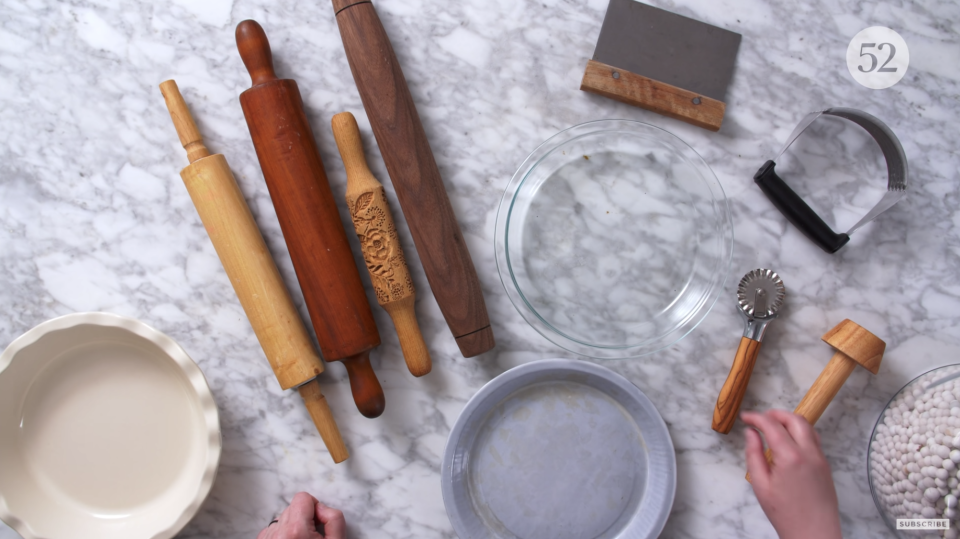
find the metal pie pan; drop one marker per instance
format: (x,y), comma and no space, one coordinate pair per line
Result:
(559,449)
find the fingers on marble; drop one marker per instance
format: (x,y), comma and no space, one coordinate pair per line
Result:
(334,524)
(799,429)
(757,465)
(778,439)
(300,513)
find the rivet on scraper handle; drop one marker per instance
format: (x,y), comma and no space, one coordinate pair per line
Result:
(801,215)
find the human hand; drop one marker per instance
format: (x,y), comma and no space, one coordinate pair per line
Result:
(300,520)
(796,492)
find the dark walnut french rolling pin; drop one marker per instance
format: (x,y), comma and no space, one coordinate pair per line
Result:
(416,178)
(309,219)
(252,272)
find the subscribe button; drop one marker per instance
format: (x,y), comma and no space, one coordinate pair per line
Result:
(923,524)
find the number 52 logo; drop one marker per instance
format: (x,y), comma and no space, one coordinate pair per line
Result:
(877,57)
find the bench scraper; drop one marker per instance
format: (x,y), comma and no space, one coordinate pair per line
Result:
(663,62)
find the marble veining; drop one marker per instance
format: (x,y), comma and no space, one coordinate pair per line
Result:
(93,216)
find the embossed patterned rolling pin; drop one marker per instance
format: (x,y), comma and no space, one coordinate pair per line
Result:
(855,346)
(380,243)
(252,272)
(416,178)
(309,219)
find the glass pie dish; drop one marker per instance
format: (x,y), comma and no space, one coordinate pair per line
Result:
(613,239)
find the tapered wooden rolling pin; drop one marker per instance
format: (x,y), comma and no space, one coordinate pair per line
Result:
(252,271)
(416,179)
(367,203)
(309,219)
(855,346)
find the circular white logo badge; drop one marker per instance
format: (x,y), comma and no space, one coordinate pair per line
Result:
(878,57)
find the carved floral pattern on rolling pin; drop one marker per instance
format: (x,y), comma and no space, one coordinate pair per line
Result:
(381,247)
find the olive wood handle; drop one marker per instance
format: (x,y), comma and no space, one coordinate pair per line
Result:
(364,385)
(380,243)
(734,388)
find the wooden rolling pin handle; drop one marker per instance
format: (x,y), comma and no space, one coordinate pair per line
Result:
(347,134)
(323,420)
(187,130)
(415,351)
(364,385)
(735,387)
(255,52)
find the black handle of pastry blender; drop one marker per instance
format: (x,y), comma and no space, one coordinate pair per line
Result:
(797,211)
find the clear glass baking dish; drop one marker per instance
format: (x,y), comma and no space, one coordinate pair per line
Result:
(613,239)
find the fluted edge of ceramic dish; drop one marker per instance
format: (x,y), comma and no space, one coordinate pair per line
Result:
(176,353)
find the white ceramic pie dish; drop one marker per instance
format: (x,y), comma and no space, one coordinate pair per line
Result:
(108,430)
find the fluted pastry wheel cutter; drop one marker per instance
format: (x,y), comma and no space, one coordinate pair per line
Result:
(759,297)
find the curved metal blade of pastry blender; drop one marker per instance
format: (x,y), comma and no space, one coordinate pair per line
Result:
(897,170)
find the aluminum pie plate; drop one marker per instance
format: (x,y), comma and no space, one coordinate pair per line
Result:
(108,430)
(559,449)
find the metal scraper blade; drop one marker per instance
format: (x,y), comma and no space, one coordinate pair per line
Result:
(667,47)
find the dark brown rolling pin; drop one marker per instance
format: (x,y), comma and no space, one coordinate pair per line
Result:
(416,179)
(252,272)
(309,219)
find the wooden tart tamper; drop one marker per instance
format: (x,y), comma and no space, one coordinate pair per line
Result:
(309,219)
(380,243)
(252,271)
(855,346)
(416,179)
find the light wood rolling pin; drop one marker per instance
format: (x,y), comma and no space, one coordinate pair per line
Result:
(252,271)
(309,218)
(855,346)
(367,203)
(415,176)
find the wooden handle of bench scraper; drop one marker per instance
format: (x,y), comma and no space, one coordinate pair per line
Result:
(415,175)
(250,267)
(380,243)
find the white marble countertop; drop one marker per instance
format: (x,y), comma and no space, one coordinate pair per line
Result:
(93,216)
